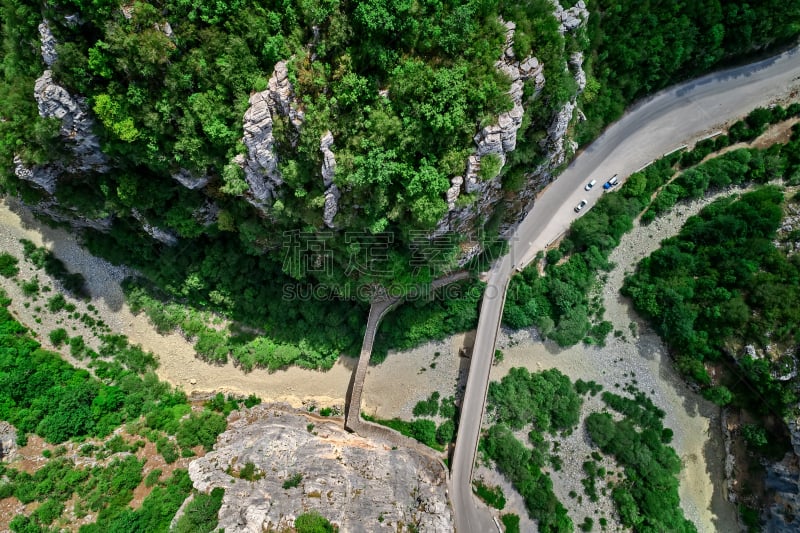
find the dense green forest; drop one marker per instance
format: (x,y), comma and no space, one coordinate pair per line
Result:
(166,103)
(171,102)
(42,394)
(722,284)
(168,84)
(638,48)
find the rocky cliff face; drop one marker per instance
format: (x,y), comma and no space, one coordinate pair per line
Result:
(261,163)
(500,138)
(495,140)
(76,124)
(77,131)
(357,484)
(783,480)
(8,442)
(332,193)
(76,128)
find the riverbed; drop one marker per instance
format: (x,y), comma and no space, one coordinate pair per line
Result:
(394,387)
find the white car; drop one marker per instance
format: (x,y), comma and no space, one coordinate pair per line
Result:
(590,185)
(580,206)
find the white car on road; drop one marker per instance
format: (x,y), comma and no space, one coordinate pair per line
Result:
(590,185)
(580,206)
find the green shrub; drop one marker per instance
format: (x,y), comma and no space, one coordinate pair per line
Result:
(720,395)
(201,429)
(58,336)
(31,287)
(77,346)
(313,522)
(249,473)
(754,435)
(46,513)
(429,407)
(56,303)
(152,478)
(510,523)
(8,265)
(201,513)
(490,166)
(252,401)
(167,449)
(492,496)
(448,408)
(293,481)
(446,432)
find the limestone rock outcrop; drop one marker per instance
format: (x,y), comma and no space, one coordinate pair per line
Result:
(46,177)
(328,158)
(359,485)
(282,95)
(261,163)
(76,124)
(76,128)
(557,132)
(52,209)
(576,62)
(167,237)
(328,170)
(49,54)
(8,441)
(571,18)
(185,178)
(332,196)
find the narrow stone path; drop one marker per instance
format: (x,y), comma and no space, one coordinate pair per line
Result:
(353,421)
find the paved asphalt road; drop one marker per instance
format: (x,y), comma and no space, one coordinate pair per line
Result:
(657,125)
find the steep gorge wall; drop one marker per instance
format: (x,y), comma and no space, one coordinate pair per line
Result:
(471,198)
(500,139)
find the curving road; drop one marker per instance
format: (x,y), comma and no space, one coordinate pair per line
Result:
(654,126)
